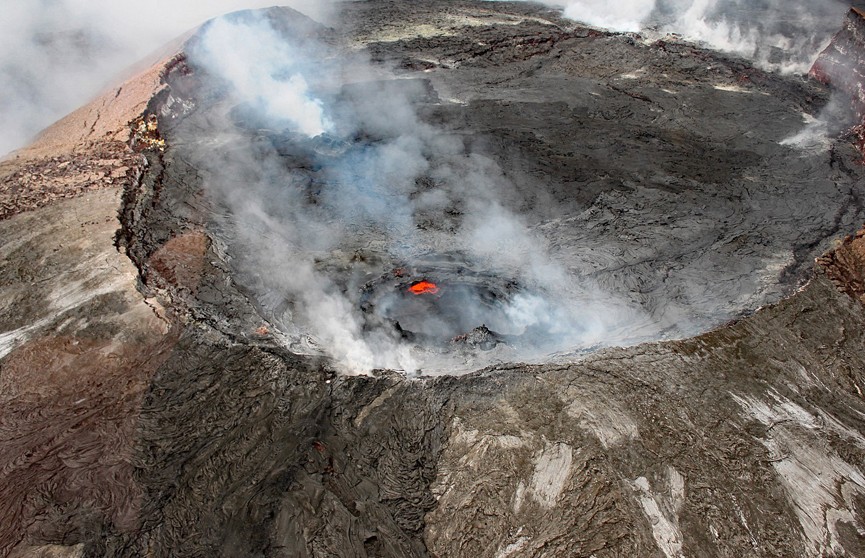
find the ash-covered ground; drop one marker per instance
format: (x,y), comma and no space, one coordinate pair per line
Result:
(173,377)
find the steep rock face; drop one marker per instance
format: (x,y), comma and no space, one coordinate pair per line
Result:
(84,151)
(842,64)
(159,412)
(845,266)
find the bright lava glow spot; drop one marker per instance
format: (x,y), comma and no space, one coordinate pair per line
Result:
(424,287)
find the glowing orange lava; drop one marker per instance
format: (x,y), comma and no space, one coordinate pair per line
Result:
(424,287)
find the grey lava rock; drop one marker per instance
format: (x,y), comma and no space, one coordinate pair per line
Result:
(480,337)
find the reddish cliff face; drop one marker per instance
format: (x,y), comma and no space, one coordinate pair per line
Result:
(845,265)
(842,65)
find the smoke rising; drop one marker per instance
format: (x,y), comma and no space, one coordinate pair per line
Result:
(328,177)
(57,54)
(263,71)
(627,15)
(778,35)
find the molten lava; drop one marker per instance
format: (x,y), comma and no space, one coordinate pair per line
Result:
(424,287)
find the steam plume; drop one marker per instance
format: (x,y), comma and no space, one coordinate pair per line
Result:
(293,229)
(779,35)
(56,54)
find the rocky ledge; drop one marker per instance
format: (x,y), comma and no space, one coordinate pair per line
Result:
(842,64)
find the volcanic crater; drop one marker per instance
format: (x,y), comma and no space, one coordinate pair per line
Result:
(444,278)
(653,193)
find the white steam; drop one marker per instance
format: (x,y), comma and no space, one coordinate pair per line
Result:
(301,237)
(625,15)
(778,35)
(278,238)
(57,54)
(262,70)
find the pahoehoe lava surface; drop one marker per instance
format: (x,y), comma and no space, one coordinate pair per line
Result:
(153,403)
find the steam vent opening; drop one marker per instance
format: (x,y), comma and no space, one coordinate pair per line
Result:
(388,208)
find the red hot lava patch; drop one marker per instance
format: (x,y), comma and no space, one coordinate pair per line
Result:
(424,287)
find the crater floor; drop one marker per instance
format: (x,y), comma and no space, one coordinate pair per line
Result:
(636,190)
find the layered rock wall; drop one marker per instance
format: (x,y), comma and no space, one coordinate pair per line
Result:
(842,65)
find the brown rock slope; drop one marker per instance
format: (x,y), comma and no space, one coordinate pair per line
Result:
(79,341)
